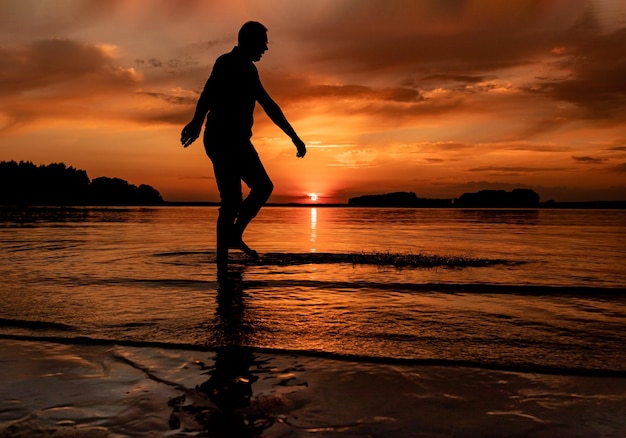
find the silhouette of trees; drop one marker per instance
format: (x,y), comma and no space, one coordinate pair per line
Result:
(499,198)
(25,183)
(398,199)
(483,198)
(116,191)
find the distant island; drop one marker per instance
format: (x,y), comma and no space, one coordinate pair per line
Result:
(483,198)
(499,198)
(26,184)
(516,198)
(398,199)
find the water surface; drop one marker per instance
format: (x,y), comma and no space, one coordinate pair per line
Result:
(553,299)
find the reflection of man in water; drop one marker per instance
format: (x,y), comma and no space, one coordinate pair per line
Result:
(229,97)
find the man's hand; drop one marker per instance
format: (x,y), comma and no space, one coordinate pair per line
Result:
(190,133)
(300,146)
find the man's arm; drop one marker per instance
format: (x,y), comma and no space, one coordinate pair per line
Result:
(276,115)
(192,131)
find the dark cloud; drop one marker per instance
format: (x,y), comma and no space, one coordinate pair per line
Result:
(414,42)
(172,64)
(289,87)
(590,160)
(164,115)
(62,66)
(60,78)
(399,94)
(473,58)
(155,62)
(421,55)
(537,148)
(469,186)
(455,78)
(596,68)
(619,168)
(49,18)
(516,169)
(171,98)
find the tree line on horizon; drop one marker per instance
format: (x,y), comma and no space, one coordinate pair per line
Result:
(483,198)
(25,183)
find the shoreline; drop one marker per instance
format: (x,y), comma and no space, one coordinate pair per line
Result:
(71,389)
(321,355)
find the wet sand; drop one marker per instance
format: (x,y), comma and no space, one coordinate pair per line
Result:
(52,389)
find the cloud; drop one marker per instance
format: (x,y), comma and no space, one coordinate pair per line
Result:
(171,65)
(594,68)
(398,94)
(443,146)
(71,80)
(619,168)
(298,87)
(358,158)
(45,17)
(473,58)
(60,78)
(590,160)
(425,40)
(530,147)
(177,97)
(61,66)
(467,79)
(515,169)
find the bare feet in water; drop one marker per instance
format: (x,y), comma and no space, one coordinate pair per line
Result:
(238,243)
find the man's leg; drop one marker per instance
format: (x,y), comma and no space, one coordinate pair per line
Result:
(229,186)
(254,175)
(225,224)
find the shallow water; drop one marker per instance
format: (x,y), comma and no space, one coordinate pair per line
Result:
(552,297)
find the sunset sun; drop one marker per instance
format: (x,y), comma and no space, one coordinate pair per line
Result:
(313,196)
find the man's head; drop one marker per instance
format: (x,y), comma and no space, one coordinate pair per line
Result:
(252,39)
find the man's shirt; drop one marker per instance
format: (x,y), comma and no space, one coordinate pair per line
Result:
(231,90)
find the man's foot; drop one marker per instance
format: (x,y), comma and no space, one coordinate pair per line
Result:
(238,243)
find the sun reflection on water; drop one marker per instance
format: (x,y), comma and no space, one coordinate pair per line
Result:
(313,228)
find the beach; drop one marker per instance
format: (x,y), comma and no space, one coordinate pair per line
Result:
(53,389)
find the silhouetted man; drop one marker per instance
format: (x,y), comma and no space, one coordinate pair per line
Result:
(229,97)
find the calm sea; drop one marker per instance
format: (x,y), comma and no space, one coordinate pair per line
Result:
(510,289)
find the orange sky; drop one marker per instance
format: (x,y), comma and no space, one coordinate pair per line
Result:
(438,97)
